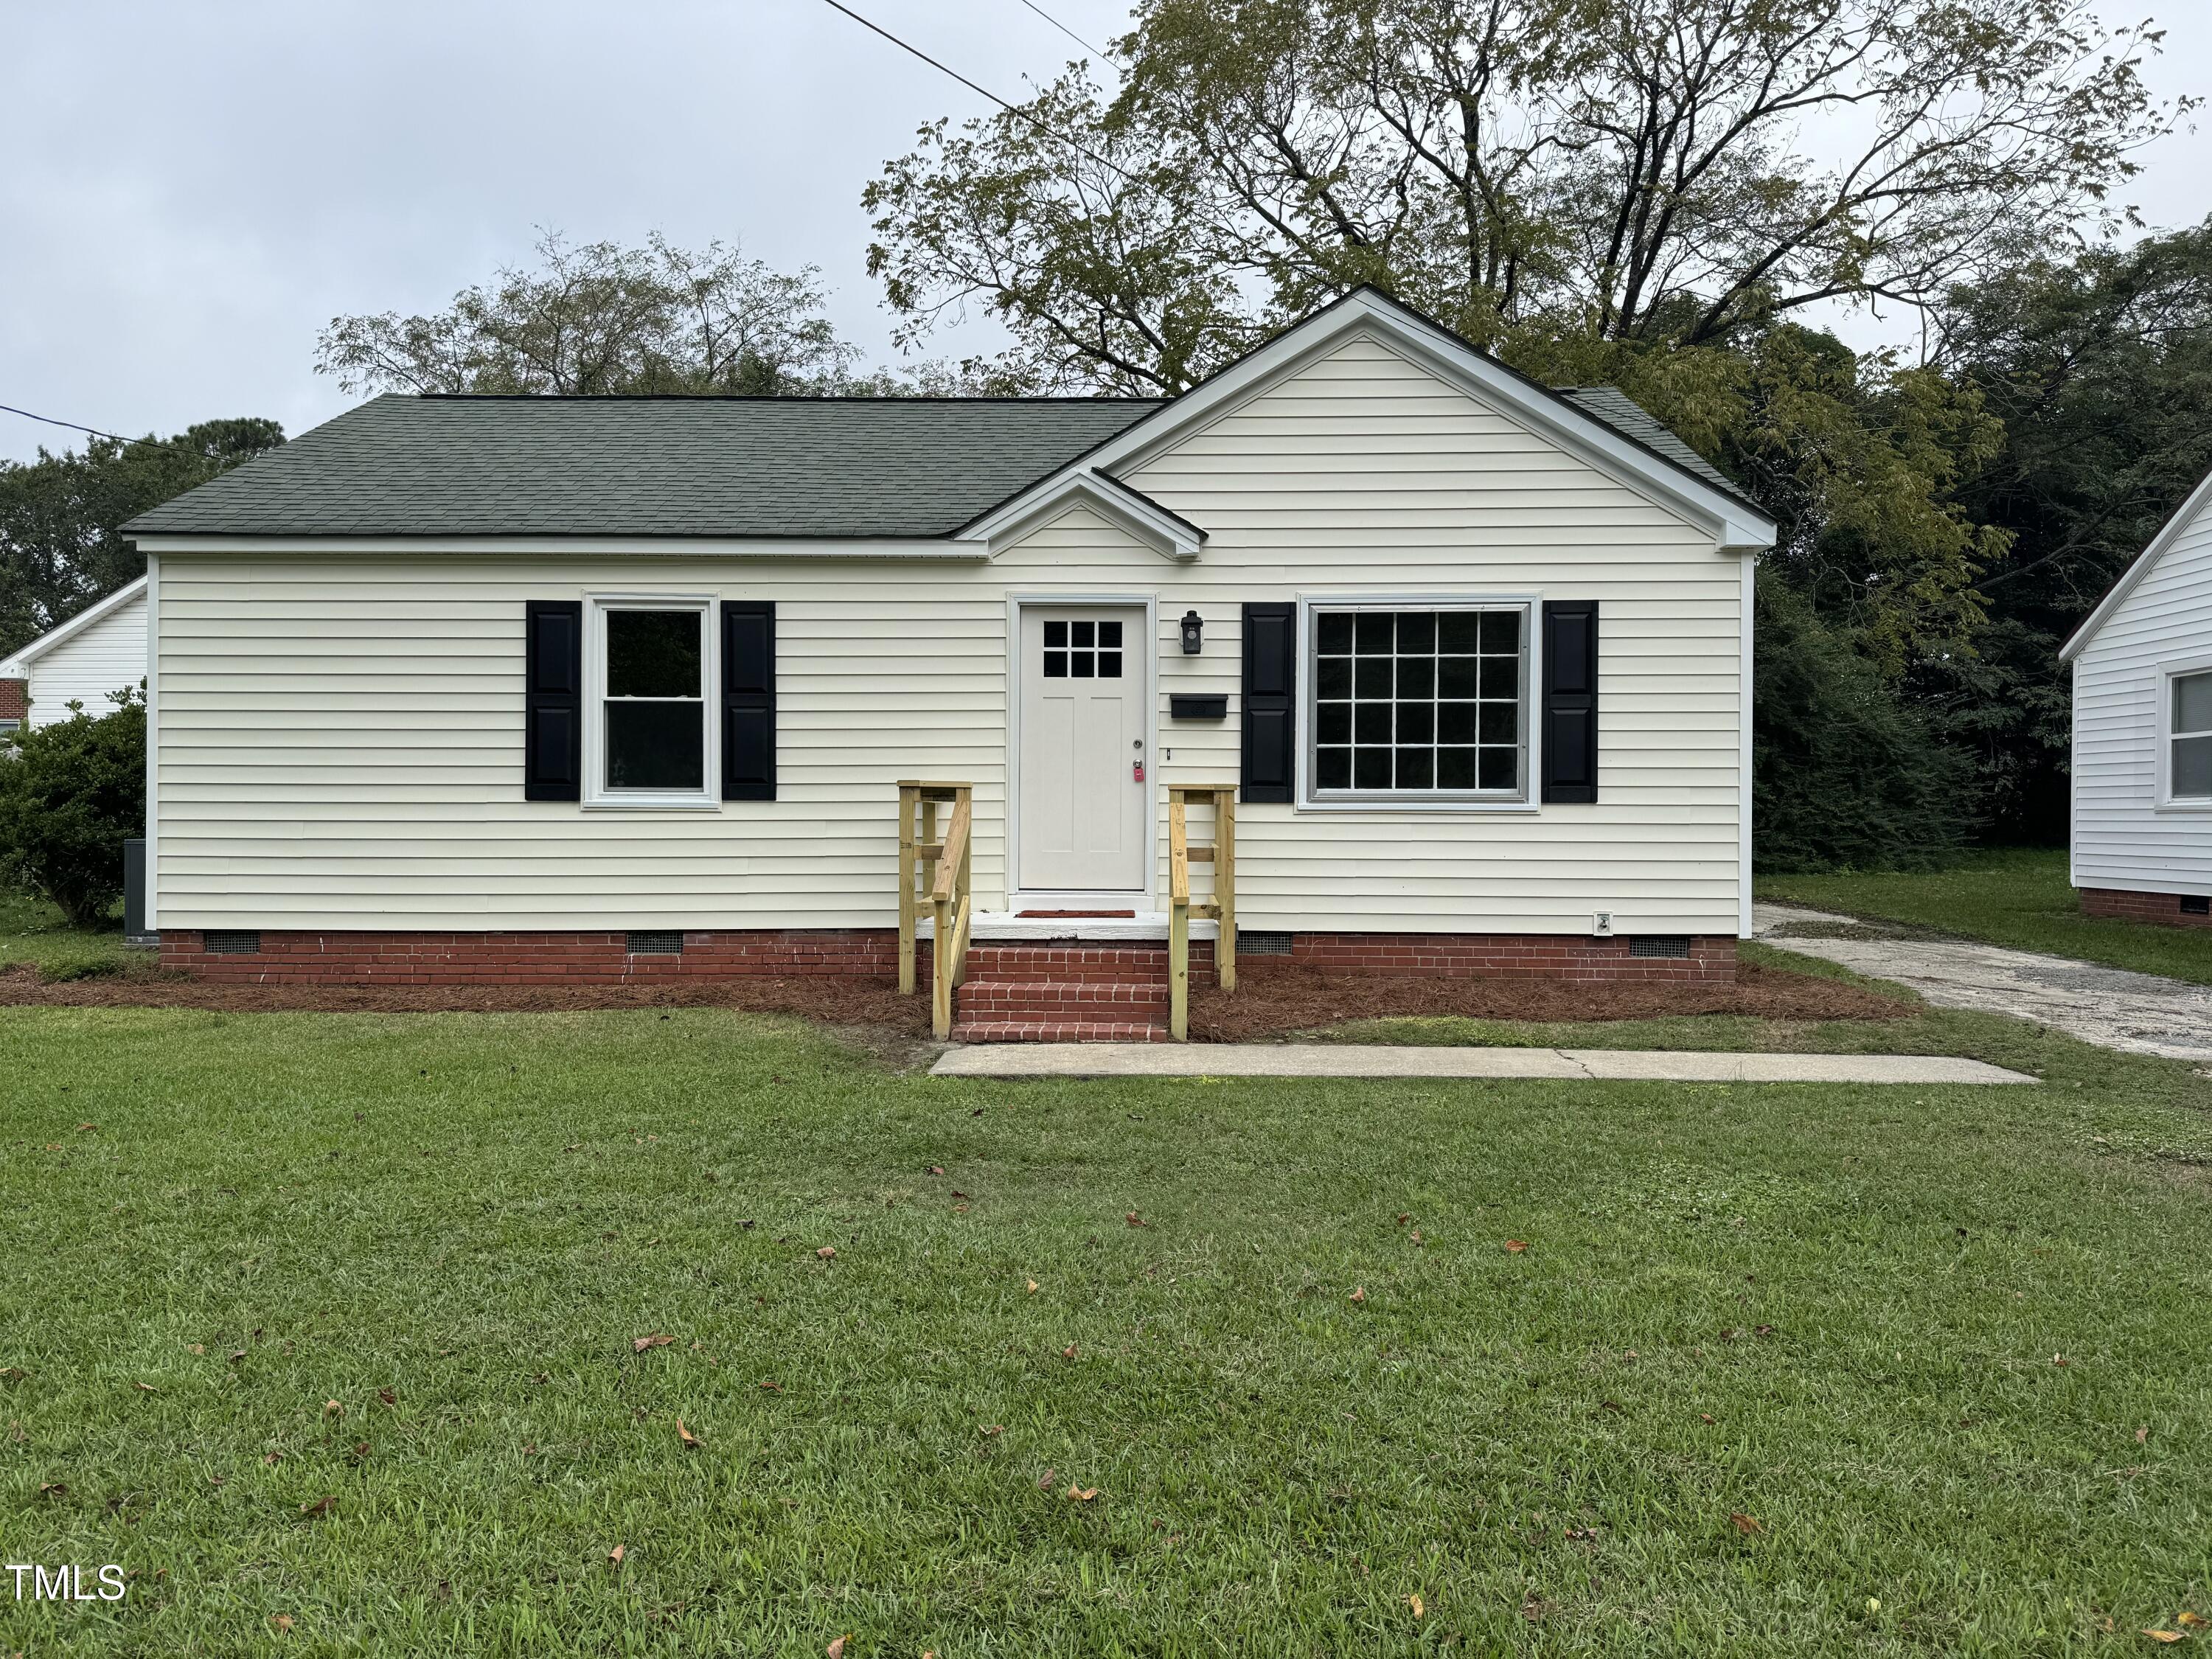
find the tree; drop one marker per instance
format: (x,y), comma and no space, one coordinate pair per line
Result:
(71,795)
(59,551)
(603,318)
(1627,170)
(2101,370)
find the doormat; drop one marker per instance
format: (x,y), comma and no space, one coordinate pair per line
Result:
(1077,916)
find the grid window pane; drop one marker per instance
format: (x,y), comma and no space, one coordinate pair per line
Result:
(1109,636)
(1083,650)
(1056,633)
(1109,665)
(1055,664)
(1081,633)
(1413,702)
(2193,702)
(655,746)
(1081,663)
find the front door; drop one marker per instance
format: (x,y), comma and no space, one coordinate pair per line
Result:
(1084,682)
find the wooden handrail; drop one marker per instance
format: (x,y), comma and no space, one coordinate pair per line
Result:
(1222,855)
(946,867)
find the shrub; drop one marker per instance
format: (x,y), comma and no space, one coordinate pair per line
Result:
(1844,776)
(73,794)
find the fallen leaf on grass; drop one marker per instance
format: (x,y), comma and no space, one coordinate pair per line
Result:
(2189,1622)
(1359,1293)
(12,1373)
(1705,1417)
(1762,1330)
(273,1459)
(2142,1434)
(1045,1481)
(1416,1236)
(54,1489)
(937,1169)
(617,1553)
(1033,1287)
(1515,1246)
(283,1621)
(321,1507)
(1068,1352)
(388,1396)
(995,1428)
(2166,1634)
(331,1408)
(145,1387)
(837,1648)
(1082,1494)
(773,1388)
(1414,1602)
(1404,1216)
(692,1441)
(1744,1523)
(828,1252)
(237,1354)
(360,1450)
(1133,1219)
(658,1340)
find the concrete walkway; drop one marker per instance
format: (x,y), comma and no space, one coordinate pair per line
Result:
(1018,1059)
(2136,1013)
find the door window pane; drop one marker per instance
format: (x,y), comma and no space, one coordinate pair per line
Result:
(1082,650)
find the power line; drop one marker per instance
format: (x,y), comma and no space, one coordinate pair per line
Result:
(1064,30)
(1020,115)
(78,426)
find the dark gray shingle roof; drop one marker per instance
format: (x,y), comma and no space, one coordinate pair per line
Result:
(401,466)
(1626,415)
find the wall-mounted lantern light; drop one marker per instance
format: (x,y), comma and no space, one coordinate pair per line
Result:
(1192,627)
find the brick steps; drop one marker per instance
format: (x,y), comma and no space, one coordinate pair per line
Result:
(1062,994)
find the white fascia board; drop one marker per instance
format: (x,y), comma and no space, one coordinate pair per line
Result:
(2169,533)
(1161,530)
(1734,526)
(14,667)
(665,547)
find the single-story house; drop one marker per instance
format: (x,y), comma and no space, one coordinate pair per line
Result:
(97,652)
(473,687)
(2142,731)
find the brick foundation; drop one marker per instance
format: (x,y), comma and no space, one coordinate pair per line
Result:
(601,958)
(2163,908)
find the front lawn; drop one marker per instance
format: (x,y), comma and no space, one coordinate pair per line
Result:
(32,935)
(2008,896)
(344,1334)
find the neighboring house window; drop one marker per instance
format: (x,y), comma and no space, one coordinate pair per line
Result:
(647,731)
(1422,702)
(2189,756)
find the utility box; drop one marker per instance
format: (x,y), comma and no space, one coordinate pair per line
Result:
(134,895)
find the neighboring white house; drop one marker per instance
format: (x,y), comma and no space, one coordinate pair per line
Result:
(469,687)
(98,651)
(2142,731)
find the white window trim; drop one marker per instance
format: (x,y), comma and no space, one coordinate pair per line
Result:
(1525,803)
(2168,802)
(597,796)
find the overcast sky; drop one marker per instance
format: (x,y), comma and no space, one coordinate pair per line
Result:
(191,190)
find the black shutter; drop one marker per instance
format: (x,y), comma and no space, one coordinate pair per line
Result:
(1570,700)
(748,700)
(1271,683)
(553,700)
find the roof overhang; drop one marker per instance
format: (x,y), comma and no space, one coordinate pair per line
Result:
(1736,525)
(2132,577)
(1166,532)
(14,667)
(709,547)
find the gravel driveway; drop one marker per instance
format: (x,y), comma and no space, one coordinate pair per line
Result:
(2138,1014)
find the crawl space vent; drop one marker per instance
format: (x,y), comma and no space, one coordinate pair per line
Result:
(2200,906)
(1659,944)
(1263,945)
(233,944)
(656,944)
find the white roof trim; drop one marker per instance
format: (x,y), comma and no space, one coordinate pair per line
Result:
(1734,525)
(2132,577)
(14,667)
(666,547)
(1135,512)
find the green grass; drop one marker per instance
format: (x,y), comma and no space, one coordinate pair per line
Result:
(2013,896)
(31,931)
(1863,1288)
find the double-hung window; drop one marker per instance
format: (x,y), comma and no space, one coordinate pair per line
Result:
(2188,739)
(647,733)
(1413,704)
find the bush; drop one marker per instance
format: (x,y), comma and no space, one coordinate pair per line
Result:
(73,793)
(1844,776)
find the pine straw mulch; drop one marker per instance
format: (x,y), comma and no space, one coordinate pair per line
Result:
(1273,998)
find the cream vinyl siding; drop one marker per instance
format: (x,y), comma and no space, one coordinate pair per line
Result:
(102,657)
(2122,838)
(341,738)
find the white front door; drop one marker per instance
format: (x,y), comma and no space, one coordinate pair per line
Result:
(1085,678)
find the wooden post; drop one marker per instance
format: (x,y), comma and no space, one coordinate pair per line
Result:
(940,983)
(1225,886)
(908,800)
(967,894)
(1178,918)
